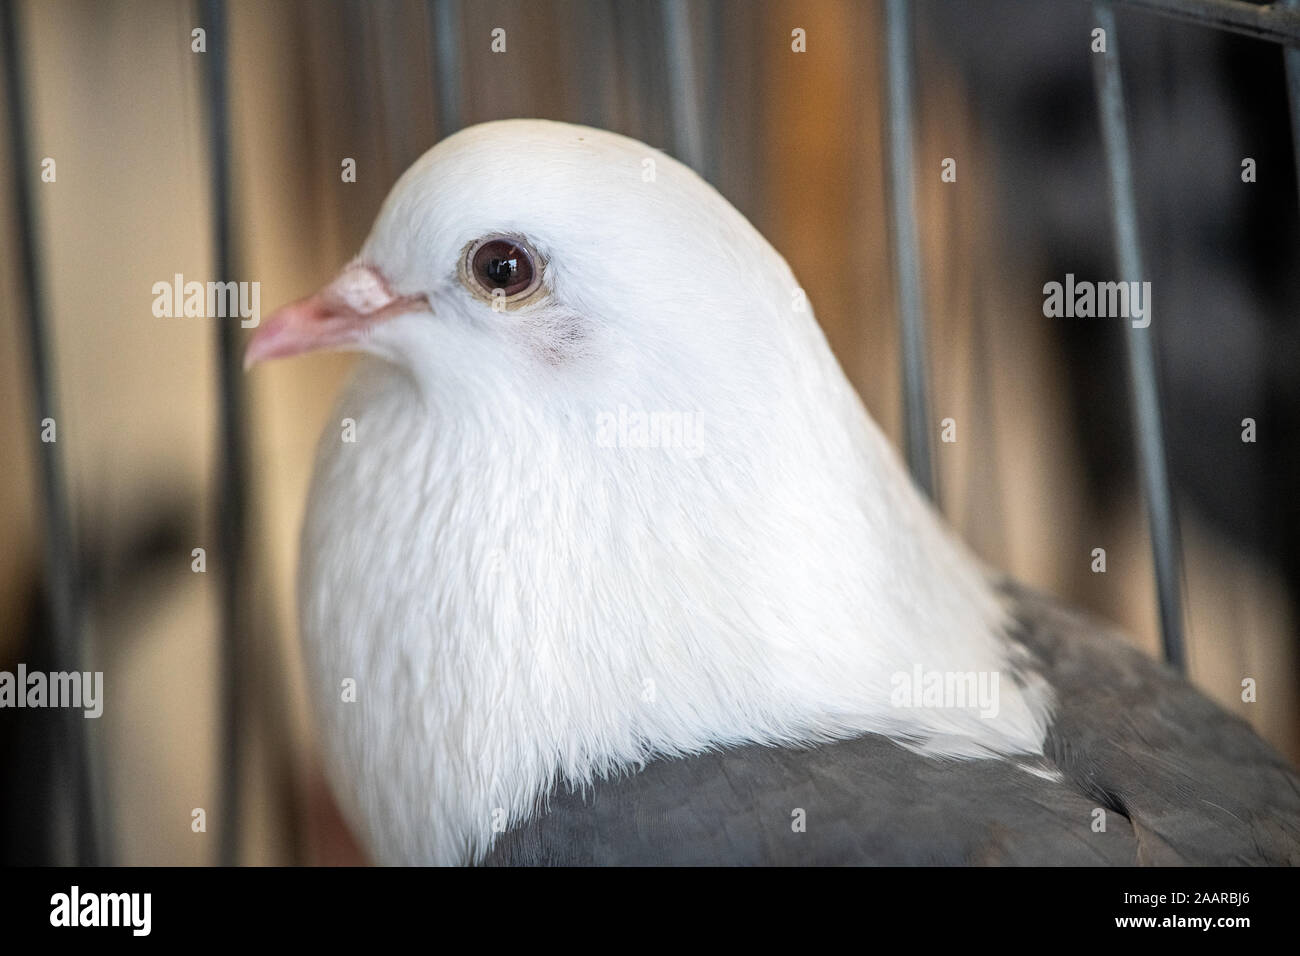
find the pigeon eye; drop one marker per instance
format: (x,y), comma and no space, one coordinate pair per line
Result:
(504,264)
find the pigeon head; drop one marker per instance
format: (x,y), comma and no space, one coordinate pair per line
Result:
(544,256)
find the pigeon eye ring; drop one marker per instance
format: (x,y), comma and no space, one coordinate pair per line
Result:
(501,268)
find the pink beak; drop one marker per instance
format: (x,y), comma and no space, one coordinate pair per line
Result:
(339,316)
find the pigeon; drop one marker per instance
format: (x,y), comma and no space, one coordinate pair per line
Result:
(604,561)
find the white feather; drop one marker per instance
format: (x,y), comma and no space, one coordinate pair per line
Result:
(519,603)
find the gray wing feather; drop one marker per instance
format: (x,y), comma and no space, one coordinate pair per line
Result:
(1181,781)
(1199,785)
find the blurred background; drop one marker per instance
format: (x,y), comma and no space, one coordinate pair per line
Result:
(1042,473)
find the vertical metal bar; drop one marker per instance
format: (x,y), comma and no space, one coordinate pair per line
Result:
(445,25)
(230,446)
(597,70)
(907,255)
(1143,384)
(710,99)
(1291,58)
(683,85)
(66,650)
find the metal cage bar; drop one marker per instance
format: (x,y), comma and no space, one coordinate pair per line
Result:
(1277,22)
(901,178)
(1143,382)
(66,650)
(231,470)
(444,24)
(685,107)
(1291,59)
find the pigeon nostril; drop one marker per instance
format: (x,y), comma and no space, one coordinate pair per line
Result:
(362,289)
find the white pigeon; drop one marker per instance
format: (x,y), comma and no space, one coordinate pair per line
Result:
(624,572)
